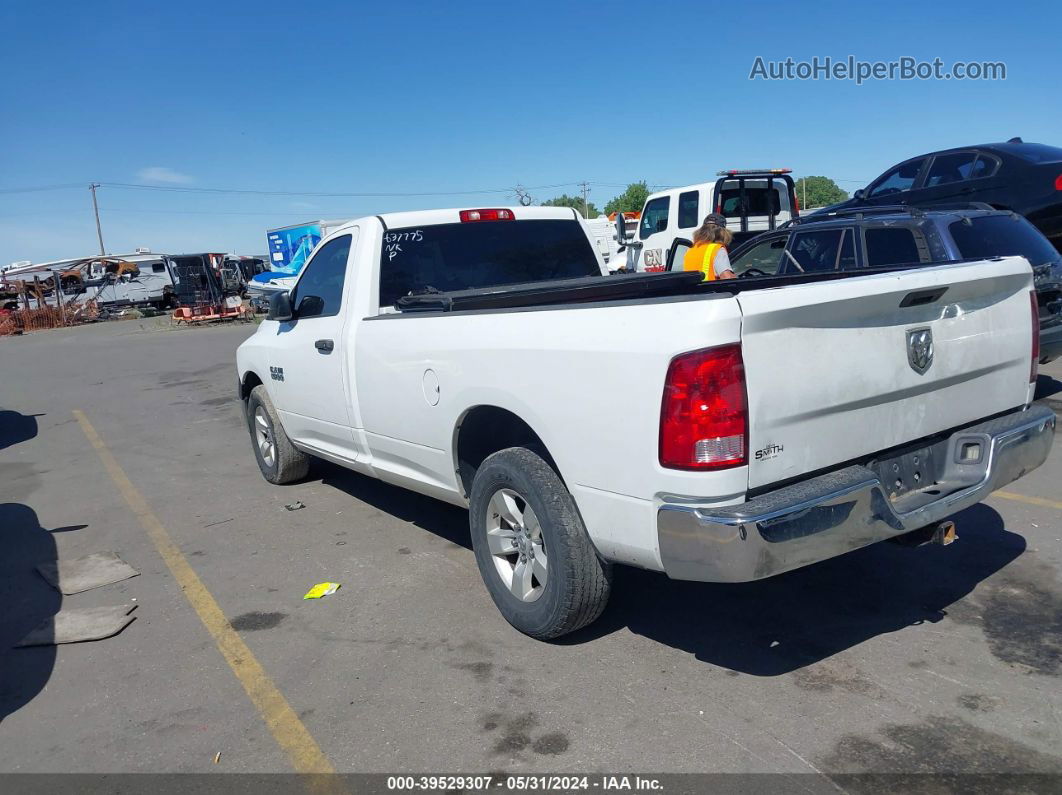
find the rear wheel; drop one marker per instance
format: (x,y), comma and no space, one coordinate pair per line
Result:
(280,461)
(531,546)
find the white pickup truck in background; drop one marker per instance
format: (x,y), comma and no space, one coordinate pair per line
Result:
(715,431)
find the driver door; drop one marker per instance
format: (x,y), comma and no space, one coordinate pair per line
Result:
(654,234)
(310,379)
(677,254)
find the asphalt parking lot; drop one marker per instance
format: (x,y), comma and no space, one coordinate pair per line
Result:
(884,660)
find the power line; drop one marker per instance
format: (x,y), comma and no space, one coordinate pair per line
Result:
(324,194)
(584,186)
(274,213)
(304,211)
(257,192)
(43,188)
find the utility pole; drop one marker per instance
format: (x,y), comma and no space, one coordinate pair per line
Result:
(96,210)
(585,187)
(804,183)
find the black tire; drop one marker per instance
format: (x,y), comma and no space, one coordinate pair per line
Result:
(578,581)
(288,462)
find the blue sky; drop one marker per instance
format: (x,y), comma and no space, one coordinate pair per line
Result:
(434,97)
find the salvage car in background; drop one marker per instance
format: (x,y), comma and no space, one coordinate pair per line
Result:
(111,281)
(1018,176)
(884,236)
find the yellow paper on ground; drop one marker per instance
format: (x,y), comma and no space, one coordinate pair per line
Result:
(322,589)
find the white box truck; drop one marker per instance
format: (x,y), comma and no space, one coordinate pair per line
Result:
(289,248)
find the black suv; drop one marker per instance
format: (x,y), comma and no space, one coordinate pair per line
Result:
(1018,176)
(884,236)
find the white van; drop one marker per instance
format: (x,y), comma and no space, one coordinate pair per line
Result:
(752,200)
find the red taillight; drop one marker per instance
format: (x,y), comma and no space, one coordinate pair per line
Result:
(796,204)
(486,215)
(1035,367)
(1058,182)
(703,417)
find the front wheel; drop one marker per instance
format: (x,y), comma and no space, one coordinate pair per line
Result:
(279,460)
(531,547)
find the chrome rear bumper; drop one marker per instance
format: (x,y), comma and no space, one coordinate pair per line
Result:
(844,510)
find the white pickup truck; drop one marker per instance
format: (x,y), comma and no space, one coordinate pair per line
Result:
(716,431)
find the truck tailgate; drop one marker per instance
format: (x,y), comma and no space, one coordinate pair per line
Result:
(829,366)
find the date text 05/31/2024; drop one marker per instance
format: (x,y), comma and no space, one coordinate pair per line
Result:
(543,783)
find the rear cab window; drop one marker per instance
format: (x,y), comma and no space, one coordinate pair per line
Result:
(759,201)
(462,256)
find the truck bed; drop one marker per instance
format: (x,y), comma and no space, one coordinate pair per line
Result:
(611,288)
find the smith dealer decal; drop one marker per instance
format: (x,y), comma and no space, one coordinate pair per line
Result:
(768,452)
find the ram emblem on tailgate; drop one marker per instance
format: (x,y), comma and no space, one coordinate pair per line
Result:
(920,349)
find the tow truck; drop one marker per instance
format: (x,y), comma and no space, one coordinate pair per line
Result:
(752,200)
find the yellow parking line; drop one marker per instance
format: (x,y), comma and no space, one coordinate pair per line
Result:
(289,732)
(1009,495)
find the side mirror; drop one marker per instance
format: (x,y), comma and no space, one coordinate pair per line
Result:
(280,307)
(621,228)
(860,194)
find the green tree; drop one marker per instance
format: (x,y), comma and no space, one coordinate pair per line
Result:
(564,200)
(818,192)
(630,201)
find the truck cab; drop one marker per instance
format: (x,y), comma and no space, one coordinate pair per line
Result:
(752,200)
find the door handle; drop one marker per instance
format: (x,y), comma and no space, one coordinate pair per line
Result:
(923,297)
(325,346)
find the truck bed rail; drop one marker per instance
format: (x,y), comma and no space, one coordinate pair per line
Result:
(611,288)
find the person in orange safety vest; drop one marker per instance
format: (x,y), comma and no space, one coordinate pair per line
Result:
(708,253)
